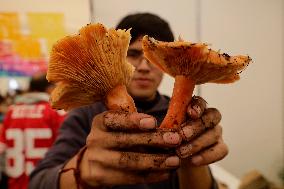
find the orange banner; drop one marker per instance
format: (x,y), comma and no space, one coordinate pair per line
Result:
(28,47)
(9,26)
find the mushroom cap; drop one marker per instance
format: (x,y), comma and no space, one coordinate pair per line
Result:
(86,66)
(194,60)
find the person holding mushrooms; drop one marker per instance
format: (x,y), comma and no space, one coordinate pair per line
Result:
(103,147)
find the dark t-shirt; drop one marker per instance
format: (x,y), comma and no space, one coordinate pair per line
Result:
(72,137)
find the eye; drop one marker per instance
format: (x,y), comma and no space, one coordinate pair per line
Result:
(134,53)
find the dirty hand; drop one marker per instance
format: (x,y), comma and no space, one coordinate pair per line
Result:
(201,135)
(114,157)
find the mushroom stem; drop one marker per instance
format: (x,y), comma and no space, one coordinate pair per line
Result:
(119,99)
(182,94)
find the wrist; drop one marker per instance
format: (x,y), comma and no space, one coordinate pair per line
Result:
(83,170)
(78,173)
(70,174)
(195,176)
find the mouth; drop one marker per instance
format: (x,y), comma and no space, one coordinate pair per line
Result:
(143,82)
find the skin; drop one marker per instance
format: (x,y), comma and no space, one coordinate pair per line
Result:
(116,161)
(147,77)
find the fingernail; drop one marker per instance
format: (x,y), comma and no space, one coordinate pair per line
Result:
(197,109)
(172,161)
(190,111)
(184,151)
(147,123)
(196,160)
(188,132)
(171,138)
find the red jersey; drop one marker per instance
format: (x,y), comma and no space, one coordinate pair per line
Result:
(29,130)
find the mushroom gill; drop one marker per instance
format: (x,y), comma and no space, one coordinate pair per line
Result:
(91,66)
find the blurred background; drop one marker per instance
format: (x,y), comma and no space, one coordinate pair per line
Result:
(252,108)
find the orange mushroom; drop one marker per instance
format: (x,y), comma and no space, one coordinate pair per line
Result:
(190,64)
(91,66)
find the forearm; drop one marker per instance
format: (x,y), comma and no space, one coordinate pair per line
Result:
(195,177)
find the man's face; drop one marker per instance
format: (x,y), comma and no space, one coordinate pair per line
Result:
(147,76)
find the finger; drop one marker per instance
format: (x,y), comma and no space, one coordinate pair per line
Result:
(124,140)
(124,121)
(210,155)
(134,161)
(121,140)
(104,176)
(205,140)
(155,139)
(191,129)
(196,107)
(211,117)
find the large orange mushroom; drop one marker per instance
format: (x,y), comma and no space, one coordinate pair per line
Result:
(91,66)
(190,64)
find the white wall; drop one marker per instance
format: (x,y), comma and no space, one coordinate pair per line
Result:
(252,108)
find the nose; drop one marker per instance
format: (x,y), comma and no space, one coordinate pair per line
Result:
(144,65)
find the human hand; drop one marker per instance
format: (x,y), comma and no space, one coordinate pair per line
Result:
(113,157)
(202,135)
